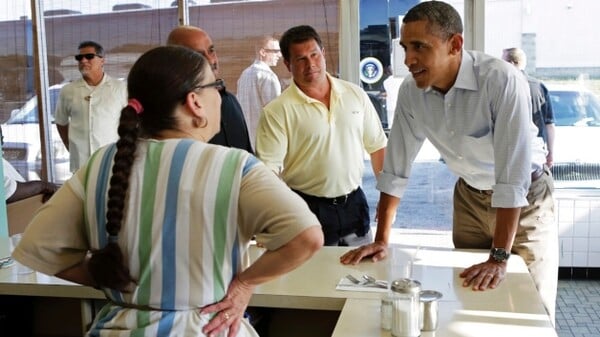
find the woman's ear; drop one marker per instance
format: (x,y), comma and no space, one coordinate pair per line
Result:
(193,104)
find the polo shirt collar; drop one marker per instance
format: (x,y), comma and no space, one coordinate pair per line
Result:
(336,90)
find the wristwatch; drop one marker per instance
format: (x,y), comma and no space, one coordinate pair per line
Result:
(499,254)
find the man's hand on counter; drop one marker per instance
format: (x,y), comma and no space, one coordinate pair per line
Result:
(375,251)
(484,275)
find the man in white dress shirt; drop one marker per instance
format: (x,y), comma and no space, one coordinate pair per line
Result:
(88,109)
(475,109)
(258,84)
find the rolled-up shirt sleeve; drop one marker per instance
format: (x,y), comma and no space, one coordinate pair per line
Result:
(513,134)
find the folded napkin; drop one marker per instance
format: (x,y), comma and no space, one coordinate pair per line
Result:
(347,285)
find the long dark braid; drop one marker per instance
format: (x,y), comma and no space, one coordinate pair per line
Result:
(106,265)
(159,81)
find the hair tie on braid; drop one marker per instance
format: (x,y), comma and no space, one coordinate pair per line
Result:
(136,105)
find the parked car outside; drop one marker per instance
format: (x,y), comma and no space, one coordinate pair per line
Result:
(22,146)
(577,119)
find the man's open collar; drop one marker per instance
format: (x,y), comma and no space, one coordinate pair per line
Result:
(466,75)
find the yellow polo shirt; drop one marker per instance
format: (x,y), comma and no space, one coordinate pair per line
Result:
(316,150)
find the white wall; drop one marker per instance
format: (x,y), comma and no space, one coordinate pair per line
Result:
(565,31)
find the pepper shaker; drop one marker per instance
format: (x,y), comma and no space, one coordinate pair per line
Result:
(429,309)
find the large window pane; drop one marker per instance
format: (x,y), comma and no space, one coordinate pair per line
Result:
(235,28)
(126,30)
(564,53)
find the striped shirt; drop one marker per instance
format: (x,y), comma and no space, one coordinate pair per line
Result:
(190,213)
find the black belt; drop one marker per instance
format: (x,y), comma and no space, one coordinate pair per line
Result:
(339,200)
(535,175)
(486,192)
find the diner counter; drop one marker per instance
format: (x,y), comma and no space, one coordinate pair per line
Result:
(512,308)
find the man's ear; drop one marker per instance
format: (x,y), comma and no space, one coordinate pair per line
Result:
(262,52)
(456,44)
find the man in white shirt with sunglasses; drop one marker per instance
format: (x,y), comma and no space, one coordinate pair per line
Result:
(88,109)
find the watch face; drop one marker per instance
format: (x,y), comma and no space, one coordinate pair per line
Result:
(499,254)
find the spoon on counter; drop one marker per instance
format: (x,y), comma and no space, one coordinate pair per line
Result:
(371,279)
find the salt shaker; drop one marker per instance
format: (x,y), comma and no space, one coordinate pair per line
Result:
(405,308)
(386,311)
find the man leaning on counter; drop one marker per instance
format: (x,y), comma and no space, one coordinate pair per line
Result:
(475,110)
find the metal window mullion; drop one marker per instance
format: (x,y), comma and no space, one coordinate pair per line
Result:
(474,30)
(40,58)
(349,40)
(183,14)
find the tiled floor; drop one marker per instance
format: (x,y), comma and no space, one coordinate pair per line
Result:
(578,308)
(577,302)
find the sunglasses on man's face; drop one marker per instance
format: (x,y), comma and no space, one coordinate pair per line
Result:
(88,57)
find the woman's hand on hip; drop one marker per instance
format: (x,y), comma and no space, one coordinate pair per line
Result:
(230,310)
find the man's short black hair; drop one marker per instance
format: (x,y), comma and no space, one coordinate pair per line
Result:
(297,34)
(444,21)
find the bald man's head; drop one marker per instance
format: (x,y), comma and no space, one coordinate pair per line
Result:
(198,40)
(515,56)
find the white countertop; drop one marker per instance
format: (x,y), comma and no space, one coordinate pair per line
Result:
(360,318)
(512,308)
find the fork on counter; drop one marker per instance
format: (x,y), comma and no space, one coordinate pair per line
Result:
(365,283)
(353,279)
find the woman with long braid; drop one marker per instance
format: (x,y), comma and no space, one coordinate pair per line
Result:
(161,220)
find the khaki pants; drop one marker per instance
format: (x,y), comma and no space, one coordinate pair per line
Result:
(536,240)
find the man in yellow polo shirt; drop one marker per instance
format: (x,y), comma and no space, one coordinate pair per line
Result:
(314,136)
